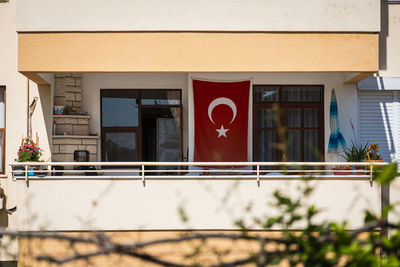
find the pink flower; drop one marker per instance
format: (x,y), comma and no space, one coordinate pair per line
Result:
(30,151)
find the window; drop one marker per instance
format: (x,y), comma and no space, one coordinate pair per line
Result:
(141,125)
(2,127)
(288,123)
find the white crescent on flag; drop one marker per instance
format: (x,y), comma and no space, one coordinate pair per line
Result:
(222,101)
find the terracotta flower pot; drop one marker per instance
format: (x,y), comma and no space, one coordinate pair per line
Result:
(376,160)
(342,171)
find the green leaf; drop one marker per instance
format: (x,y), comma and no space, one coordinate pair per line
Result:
(370,217)
(387,175)
(270,222)
(312,210)
(386,210)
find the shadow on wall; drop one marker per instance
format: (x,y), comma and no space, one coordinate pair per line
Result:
(388,128)
(45,101)
(383,35)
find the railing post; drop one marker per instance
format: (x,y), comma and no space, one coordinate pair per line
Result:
(258,175)
(12,173)
(143,177)
(49,170)
(26,172)
(371,175)
(26,175)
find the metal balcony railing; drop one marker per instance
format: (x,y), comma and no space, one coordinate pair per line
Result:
(253,171)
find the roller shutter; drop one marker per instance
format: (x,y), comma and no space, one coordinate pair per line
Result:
(380,121)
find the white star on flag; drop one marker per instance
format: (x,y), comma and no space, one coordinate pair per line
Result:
(222,131)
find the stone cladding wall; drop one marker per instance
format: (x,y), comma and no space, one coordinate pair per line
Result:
(68,92)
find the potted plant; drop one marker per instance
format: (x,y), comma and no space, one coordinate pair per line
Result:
(372,153)
(28,151)
(356,153)
(373,156)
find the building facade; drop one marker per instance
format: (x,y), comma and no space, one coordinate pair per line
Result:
(123,75)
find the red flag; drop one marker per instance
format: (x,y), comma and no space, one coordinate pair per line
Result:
(220,120)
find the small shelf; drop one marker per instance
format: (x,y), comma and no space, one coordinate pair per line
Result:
(73,116)
(77,136)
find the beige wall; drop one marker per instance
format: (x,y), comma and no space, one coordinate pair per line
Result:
(198,52)
(194,15)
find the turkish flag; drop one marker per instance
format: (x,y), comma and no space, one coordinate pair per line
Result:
(220,120)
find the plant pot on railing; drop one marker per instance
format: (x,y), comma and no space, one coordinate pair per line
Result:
(376,168)
(29,152)
(372,161)
(355,153)
(357,170)
(373,156)
(342,171)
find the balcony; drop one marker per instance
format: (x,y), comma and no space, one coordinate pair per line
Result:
(158,171)
(149,195)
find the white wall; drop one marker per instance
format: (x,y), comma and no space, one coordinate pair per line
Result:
(16,115)
(15,122)
(194,15)
(128,205)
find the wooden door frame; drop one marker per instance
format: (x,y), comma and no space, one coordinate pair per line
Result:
(284,106)
(138,129)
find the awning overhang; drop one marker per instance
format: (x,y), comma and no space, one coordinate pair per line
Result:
(87,52)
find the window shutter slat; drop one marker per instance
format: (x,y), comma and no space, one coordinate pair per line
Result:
(379,122)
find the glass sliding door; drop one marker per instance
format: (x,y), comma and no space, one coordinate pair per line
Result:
(120,146)
(161,134)
(120,125)
(141,125)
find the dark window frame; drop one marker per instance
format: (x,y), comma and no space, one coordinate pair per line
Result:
(284,107)
(138,129)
